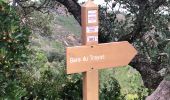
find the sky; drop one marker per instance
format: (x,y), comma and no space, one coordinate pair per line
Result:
(80,1)
(95,1)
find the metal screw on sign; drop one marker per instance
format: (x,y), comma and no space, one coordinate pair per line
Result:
(92,56)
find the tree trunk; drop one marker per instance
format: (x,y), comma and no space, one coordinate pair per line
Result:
(73,7)
(162,92)
(148,71)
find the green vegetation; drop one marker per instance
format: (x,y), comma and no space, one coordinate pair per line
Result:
(69,24)
(32,55)
(37,71)
(130,82)
(14,39)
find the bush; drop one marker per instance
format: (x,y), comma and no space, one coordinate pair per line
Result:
(13,51)
(111,90)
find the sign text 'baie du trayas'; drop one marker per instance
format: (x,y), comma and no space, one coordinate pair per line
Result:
(85,58)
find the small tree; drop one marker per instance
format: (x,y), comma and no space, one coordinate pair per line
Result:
(14,39)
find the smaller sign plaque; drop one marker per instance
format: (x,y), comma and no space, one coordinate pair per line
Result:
(92,16)
(92,29)
(92,38)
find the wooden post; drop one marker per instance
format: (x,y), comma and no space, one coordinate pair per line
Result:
(89,19)
(92,56)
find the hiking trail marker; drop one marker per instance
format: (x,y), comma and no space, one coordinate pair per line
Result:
(92,56)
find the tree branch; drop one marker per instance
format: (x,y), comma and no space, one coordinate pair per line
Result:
(158,3)
(144,9)
(73,7)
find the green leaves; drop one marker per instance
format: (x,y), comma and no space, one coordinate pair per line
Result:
(110,90)
(13,52)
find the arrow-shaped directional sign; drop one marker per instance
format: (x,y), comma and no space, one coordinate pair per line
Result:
(86,58)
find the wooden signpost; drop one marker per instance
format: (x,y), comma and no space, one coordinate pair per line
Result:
(92,56)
